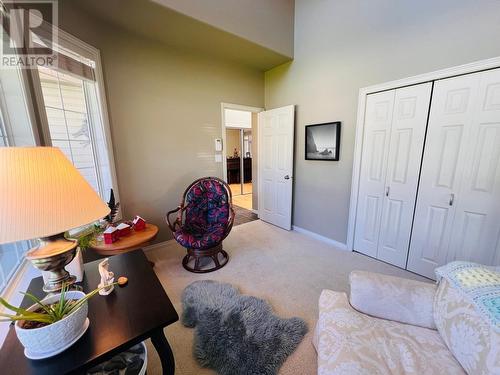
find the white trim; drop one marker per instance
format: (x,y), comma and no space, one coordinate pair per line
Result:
(256,212)
(238,107)
(336,244)
(363,92)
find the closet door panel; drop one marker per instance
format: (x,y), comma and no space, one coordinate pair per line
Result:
(411,107)
(378,118)
(476,226)
(451,115)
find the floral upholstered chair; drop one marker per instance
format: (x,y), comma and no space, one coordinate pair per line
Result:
(390,325)
(204,218)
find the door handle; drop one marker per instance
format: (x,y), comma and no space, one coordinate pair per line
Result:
(287,177)
(452,199)
(387,191)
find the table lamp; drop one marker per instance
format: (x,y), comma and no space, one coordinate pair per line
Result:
(42,195)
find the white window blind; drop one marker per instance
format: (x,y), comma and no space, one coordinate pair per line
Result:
(71,102)
(68,121)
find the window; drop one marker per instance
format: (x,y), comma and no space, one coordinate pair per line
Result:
(72,115)
(15,130)
(11,257)
(68,121)
(3,134)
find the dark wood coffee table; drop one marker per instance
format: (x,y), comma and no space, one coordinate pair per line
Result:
(129,315)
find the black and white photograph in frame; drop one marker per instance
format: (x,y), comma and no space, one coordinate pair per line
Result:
(323,141)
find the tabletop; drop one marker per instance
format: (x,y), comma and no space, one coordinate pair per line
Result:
(118,321)
(133,241)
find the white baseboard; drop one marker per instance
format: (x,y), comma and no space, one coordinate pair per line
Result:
(155,246)
(337,244)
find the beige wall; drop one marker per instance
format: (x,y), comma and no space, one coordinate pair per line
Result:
(164,109)
(341,46)
(268,23)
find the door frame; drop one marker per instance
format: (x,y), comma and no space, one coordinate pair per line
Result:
(473,67)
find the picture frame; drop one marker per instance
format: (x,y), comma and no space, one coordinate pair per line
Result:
(322,141)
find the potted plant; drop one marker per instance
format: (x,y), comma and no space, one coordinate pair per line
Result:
(50,325)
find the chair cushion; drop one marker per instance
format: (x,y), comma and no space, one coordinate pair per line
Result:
(200,237)
(349,342)
(393,298)
(473,342)
(207,203)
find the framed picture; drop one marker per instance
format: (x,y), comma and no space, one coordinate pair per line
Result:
(323,141)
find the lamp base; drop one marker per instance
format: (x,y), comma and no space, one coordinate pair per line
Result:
(52,255)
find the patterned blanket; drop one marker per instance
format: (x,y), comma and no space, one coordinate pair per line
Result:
(479,284)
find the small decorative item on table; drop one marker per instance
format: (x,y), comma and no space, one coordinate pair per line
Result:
(106,286)
(139,223)
(111,234)
(123,229)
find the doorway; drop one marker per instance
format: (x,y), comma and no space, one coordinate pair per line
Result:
(257,162)
(240,156)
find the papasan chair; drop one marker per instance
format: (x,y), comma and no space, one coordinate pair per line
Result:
(204,218)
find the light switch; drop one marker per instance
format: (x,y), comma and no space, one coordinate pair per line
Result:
(218,144)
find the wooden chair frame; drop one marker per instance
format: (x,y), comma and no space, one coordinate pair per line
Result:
(212,252)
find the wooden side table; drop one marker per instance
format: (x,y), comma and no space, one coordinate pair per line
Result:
(131,314)
(135,240)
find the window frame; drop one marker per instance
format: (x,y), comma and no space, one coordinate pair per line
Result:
(85,50)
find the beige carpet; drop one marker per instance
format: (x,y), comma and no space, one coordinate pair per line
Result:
(288,269)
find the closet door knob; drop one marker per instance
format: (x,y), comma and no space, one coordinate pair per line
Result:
(452,199)
(387,191)
(287,177)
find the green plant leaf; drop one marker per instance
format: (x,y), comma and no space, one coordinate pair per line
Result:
(60,306)
(37,301)
(13,308)
(89,295)
(35,317)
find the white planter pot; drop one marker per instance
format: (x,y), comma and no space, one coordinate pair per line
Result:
(52,339)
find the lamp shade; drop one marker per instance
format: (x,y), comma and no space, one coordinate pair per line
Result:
(43,194)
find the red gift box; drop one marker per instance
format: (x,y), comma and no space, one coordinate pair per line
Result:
(139,223)
(123,229)
(110,235)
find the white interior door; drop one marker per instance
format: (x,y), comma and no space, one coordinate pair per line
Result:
(409,121)
(376,138)
(449,146)
(275,132)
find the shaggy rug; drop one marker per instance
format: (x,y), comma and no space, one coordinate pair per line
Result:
(237,334)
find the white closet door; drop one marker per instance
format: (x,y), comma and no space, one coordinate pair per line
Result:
(476,227)
(377,129)
(409,121)
(447,148)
